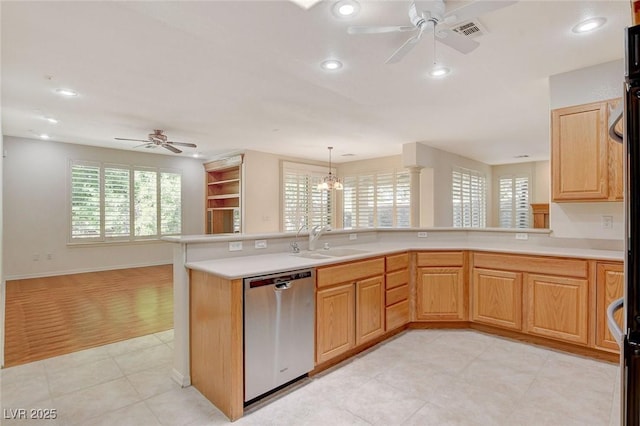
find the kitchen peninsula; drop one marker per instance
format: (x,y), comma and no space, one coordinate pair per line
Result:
(522,284)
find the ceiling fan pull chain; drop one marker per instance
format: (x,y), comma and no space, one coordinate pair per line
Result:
(434,43)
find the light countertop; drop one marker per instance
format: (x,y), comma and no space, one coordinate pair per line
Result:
(248,266)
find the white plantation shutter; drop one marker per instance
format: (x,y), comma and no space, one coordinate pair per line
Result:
(468,192)
(85,201)
(514,201)
(107,199)
(117,211)
(304,204)
(379,199)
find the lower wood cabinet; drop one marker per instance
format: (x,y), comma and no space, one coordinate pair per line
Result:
(335,321)
(557,307)
(609,287)
(370,309)
(497,298)
(440,294)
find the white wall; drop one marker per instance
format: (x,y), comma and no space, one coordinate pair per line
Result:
(437,180)
(538,173)
(596,83)
(261,186)
(36,217)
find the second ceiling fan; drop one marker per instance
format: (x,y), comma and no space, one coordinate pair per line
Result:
(432,16)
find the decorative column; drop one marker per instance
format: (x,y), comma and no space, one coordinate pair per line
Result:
(414,175)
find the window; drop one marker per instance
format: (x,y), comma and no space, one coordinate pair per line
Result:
(112,202)
(514,201)
(304,204)
(381,199)
(468,192)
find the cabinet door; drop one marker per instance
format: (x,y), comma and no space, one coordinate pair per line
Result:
(440,294)
(369,309)
(609,287)
(497,298)
(335,321)
(616,160)
(557,307)
(579,154)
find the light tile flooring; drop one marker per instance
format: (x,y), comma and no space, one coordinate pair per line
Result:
(421,377)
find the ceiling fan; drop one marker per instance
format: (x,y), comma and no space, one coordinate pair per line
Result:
(158,138)
(433,16)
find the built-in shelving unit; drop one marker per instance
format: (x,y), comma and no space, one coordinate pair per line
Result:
(224,194)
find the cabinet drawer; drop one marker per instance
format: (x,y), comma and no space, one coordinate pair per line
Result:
(397,261)
(398,278)
(349,272)
(451,258)
(397,294)
(539,265)
(397,315)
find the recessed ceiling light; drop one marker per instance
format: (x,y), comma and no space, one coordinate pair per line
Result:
(589,25)
(44,136)
(346,8)
(331,65)
(51,120)
(196,154)
(439,72)
(67,92)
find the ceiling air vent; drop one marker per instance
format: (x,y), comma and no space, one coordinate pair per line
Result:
(471,29)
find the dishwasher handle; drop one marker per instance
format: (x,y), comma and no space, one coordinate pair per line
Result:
(614,328)
(282,286)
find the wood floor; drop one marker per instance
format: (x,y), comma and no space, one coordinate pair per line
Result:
(52,316)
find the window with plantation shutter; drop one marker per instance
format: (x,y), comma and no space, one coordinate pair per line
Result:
(514,201)
(304,204)
(380,199)
(110,202)
(469,194)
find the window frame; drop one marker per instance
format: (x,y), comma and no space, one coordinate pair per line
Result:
(102,237)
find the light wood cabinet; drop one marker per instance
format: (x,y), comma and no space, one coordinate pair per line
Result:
(609,287)
(557,307)
(397,291)
(440,294)
(370,309)
(335,321)
(585,165)
(223,181)
(497,298)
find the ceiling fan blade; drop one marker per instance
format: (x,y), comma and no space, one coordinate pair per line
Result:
(187,144)
(456,41)
(146,145)
(380,30)
(406,47)
(134,140)
(473,10)
(171,148)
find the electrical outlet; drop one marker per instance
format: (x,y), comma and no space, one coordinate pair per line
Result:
(353,237)
(522,236)
(261,244)
(607,222)
(235,245)
(422,235)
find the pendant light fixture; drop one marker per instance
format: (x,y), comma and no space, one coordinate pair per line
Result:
(330,181)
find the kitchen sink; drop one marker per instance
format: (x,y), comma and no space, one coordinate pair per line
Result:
(332,252)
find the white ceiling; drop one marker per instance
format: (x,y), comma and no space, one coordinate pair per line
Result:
(233,75)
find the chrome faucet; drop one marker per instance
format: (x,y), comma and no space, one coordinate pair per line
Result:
(315,233)
(294,245)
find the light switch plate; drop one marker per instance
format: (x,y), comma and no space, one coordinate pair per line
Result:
(522,236)
(235,245)
(422,235)
(607,222)
(353,237)
(261,244)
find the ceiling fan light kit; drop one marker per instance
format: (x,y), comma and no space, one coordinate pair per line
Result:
(346,8)
(439,72)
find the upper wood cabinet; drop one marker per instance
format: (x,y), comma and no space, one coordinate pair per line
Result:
(609,287)
(585,166)
(223,180)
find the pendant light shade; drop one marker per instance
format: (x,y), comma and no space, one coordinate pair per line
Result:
(330,181)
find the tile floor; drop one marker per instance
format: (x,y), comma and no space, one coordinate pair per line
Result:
(421,377)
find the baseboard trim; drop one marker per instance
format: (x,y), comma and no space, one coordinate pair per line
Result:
(181,379)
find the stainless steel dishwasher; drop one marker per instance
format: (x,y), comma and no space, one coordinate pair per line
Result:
(279,321)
